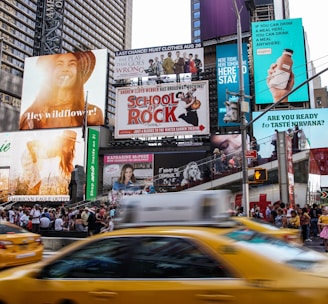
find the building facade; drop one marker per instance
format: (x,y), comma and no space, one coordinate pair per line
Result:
(81,25)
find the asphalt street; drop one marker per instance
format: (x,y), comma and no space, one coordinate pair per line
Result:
(316,244)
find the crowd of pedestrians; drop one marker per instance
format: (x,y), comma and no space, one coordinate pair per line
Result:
(312,221)
(36,219)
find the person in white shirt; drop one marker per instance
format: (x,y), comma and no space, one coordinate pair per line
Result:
(59,223)
(109,225)
(12,215)
(35,215)
(44,222)
(24,219)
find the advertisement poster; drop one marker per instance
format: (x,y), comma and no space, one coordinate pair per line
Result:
(175,170)
(228,78)
(59,89)
(92,164)
(162,110)
(309,124)
(279,60)
(127,174)
(290,170)
(159,61)
(37,165)
(229,144)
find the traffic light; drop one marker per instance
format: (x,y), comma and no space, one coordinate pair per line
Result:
(260,175)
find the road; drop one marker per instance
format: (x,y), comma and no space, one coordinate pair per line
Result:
(316,244)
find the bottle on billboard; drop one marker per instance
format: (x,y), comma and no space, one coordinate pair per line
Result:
(280,77)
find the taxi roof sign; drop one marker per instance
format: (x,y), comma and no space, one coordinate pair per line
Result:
(176,208)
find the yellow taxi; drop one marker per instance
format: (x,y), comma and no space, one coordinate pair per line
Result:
(151,258)
(290,235)
(18,246)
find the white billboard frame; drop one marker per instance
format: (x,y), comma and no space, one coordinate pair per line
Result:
(134,63)
(162,110)
(44,106)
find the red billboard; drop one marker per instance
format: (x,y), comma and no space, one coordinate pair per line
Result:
(162,110)
(60,89)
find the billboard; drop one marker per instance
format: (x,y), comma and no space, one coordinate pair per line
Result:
(162,110)
(218,20)
(228,76)
(311,125)
(92,164)
(279,60)
(127,174)
(228,144)
(59,89)
(290,169)
(179,169)
(37,165)
(159,61)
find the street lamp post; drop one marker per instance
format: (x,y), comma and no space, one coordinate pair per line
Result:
(244,108)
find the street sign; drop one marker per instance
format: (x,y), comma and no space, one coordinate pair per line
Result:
(251,154)
(324,194)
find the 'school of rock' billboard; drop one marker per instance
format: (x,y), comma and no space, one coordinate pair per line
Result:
(162,110)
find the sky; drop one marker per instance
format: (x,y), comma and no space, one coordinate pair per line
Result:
(167,22)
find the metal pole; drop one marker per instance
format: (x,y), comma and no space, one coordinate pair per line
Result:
(242,105)
(1,46)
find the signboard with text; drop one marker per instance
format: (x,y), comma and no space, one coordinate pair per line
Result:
(142,164)
(136,63)
(57,87)
(270,41)
(92,164)
(36,165)
(310,122)
(162,110)
(228,77)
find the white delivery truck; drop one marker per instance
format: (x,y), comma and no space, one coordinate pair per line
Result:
(176,208)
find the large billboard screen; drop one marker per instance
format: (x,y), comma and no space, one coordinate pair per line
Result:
(228,77)
(179,169)
(56,89)
(159,61)
(219,19)
(311,126)
(38,164)
(127,174)
(279,60)
(162,110)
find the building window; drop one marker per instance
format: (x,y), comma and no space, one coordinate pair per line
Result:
(319,102)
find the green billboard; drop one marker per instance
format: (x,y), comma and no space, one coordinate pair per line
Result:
(92,164)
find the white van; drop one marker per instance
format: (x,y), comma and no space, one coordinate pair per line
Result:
(176,208)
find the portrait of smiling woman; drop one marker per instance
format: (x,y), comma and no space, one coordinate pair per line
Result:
(61,99)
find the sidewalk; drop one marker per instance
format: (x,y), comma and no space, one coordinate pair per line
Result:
(315,244)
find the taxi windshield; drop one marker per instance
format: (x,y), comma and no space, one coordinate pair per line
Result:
(296,256)
(264,223)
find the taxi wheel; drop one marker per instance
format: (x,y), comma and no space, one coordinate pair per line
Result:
(65,301)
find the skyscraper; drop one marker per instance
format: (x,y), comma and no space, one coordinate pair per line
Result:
(38,27)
